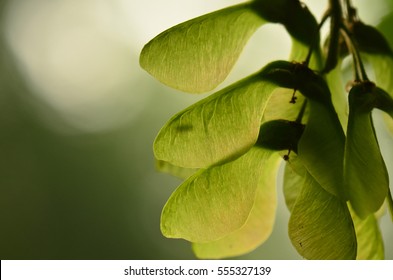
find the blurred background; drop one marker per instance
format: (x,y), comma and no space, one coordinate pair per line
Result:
(78,118)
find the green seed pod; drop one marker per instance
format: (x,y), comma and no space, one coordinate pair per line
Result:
(383,101)
(298,76)
(280,135)
(296,18)
(279,72)
(321,146)
(369,39)
(274,12)
(365,175)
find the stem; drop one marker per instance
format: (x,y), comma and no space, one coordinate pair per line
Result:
(311,49)
(336,20)
(301,112)
(351,13)
(360,72)
(298,120)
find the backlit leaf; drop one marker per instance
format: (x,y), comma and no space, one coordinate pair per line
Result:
(259,223)
(320,226)
(365,174)
(216,201)
(197,55)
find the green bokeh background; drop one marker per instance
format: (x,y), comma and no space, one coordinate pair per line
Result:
(73,188)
